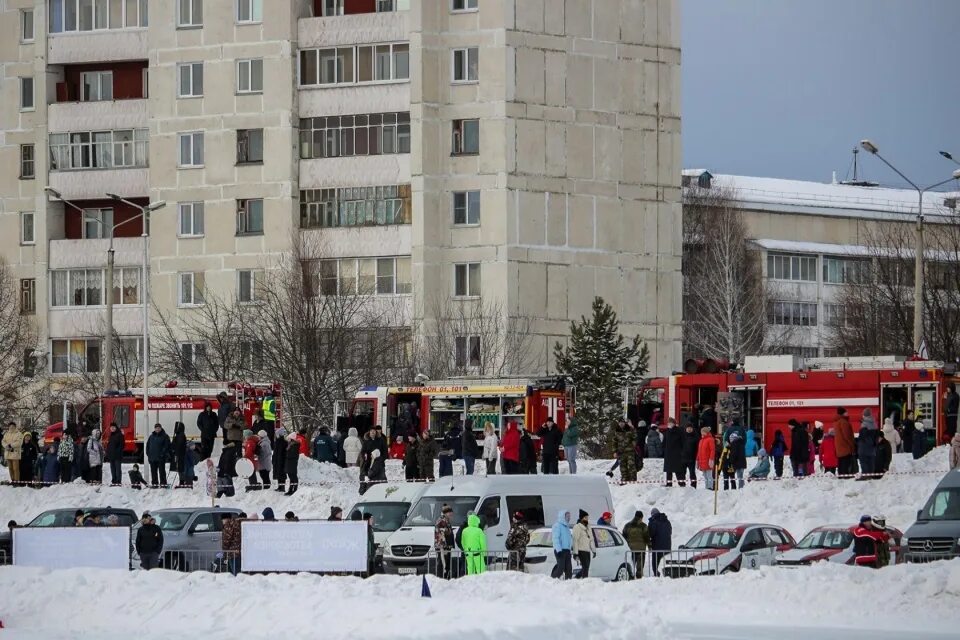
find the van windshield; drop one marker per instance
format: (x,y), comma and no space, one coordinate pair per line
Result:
(427,510)
(944,504)
(387,516)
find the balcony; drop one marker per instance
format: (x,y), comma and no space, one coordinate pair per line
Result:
(89,322)
(93,184)
(97,116)
(393,26)
(363,242)
(97,46)
(355,171)
(92,253)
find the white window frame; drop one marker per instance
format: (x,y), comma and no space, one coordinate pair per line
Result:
(463,350)
(100,79)
(254,11)
(458,131)
(28,227)
(192,7)
(244,214)
(244,138)
(118,280)
(102,221)
(197,281)
(196,142)
(341,68)
(463,69)
(136,19)
(73,368)
(195,212)
(32,161)
(465,6)
(469,290)
(245,73)
(25,35)
(196,349)
(28,296)
(24,93)
(471,208)
(62,282)
(250,286)
(191,68)
(795,269)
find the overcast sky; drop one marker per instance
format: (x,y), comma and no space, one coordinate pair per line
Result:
(786,88)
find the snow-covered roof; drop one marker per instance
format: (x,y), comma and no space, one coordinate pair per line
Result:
(849,250)
(828,199)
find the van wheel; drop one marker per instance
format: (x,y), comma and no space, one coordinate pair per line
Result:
(623,574)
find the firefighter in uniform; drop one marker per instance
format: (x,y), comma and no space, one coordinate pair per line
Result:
(269,408)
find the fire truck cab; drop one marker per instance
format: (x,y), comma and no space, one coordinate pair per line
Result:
(435,406)
(768,391)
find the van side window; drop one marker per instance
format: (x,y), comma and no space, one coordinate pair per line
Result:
(530,506)
(490,511)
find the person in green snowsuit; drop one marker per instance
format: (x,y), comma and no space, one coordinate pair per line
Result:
(474,544)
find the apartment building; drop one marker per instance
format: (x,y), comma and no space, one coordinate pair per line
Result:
(812,239)
(524,152)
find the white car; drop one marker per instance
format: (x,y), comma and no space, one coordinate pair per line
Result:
(613,562)
(833,543)
(725,548)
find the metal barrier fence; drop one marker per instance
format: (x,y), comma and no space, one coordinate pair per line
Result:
(457,563)
(677,563)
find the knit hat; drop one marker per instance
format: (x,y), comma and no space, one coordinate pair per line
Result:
(281,433)
(268,514)
(655,512)
(818,424)
(607,515)
(247,433)
(583,514)
(262,433)
(518,516)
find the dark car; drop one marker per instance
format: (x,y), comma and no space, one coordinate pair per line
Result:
(65,518)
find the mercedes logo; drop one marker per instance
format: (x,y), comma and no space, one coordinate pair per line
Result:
(928,545)
(408,551)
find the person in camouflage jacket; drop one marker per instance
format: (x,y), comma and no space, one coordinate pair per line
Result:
(443,541)
(230,541)
(626,452)
(637,535)
(427,451)
(517,540)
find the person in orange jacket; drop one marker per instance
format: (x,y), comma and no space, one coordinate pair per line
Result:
(397,449)
(706,453)
(301,437)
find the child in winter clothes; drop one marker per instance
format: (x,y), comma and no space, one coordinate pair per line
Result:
(50,466)
(137,480)
(778,451)
(811,458)
(750,446)
(762,468)
(828,453)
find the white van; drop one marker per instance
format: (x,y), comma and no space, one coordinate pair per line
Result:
(493,498)
(389,503)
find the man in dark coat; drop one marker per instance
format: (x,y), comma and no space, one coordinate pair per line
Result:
(661,533)
(280,459)
(114,453)
(149,542)
(207,424)
(292,459)
(550,439)
(324,448)
(470,448)
(951,409)
(708,418)
(158,448)
(224,411)
(673,453)
(688,456)
(411,455)
(799,448)
(528,454)
(450,449)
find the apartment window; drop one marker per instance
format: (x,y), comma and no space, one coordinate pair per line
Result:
(192,357)
(76,288)
(845,271)
(99,149)
(251,355)
(26,94)
(89,15)
(797,314)
(835,315)
(250,76)
(463,5)
(466,64)
(27,162)
(190,289)
(782,266)
(355,135)
(249,11)
(467,351)
(190,223)
(466,207)
(466,137)
(126,285)
(75,356)
(357,64)
(250,285)
(96,86)
(191,149)
(354,207)
(26,25)
(190,83)
(249,217)
(190,13)
(361,276)
(466,279)
(97,223)
(27,231)
(28,296)
(249,146)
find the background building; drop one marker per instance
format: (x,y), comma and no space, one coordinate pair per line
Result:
(506,157)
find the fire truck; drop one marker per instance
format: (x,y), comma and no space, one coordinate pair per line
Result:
(167,405)
(435,406)
(770,390)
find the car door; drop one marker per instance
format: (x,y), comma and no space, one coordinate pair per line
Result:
(753,549)
(610,553)
(494,524)
(205,535)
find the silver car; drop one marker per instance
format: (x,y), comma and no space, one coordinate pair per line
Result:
(192,537)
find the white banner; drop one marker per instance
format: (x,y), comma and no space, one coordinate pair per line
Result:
(303,546)
(72,547)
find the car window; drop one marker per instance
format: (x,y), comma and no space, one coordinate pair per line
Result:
(753,539)
(604,538)
(204,523)
(48,520)
(530,506)
(490,511)
(773,537)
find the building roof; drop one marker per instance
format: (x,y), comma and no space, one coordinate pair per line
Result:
(828,199)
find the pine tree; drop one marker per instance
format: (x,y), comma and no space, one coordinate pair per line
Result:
(600,363)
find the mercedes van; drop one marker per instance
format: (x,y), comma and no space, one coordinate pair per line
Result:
(936,533)
(494,498)
(389,504)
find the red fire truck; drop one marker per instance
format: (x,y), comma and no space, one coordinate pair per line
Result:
(770,390)
(438,405)
(174,402)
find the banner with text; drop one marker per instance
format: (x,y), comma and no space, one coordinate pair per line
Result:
(318,546)
(72,547)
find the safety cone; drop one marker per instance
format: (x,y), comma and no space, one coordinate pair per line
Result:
(425,588)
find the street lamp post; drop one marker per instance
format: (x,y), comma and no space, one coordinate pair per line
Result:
(919,248)
(144,211)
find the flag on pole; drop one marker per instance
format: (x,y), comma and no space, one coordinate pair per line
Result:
(424,588)
(922,350)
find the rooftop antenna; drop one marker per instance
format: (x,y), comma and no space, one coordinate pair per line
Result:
(857,182)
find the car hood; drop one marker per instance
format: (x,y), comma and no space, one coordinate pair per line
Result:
(808,555)
(410,536)
(934,529)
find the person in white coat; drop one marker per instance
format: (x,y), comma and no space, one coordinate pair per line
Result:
(95,456)
(352,447)
(490,444)
(891,435)
(584,548)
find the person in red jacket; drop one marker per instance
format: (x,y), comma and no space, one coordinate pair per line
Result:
(251,442)
(510,449)
(706,452)
(870,540)
(301,437)
(397,449)
(828,452)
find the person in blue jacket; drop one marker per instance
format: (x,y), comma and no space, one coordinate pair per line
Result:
(778,451)
(750,445)
(563,546)
(762,468)
(50,466)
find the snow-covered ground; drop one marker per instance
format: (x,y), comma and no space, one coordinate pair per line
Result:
(915,601)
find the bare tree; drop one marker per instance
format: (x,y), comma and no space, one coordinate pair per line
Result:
(21,386)
(724,297)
